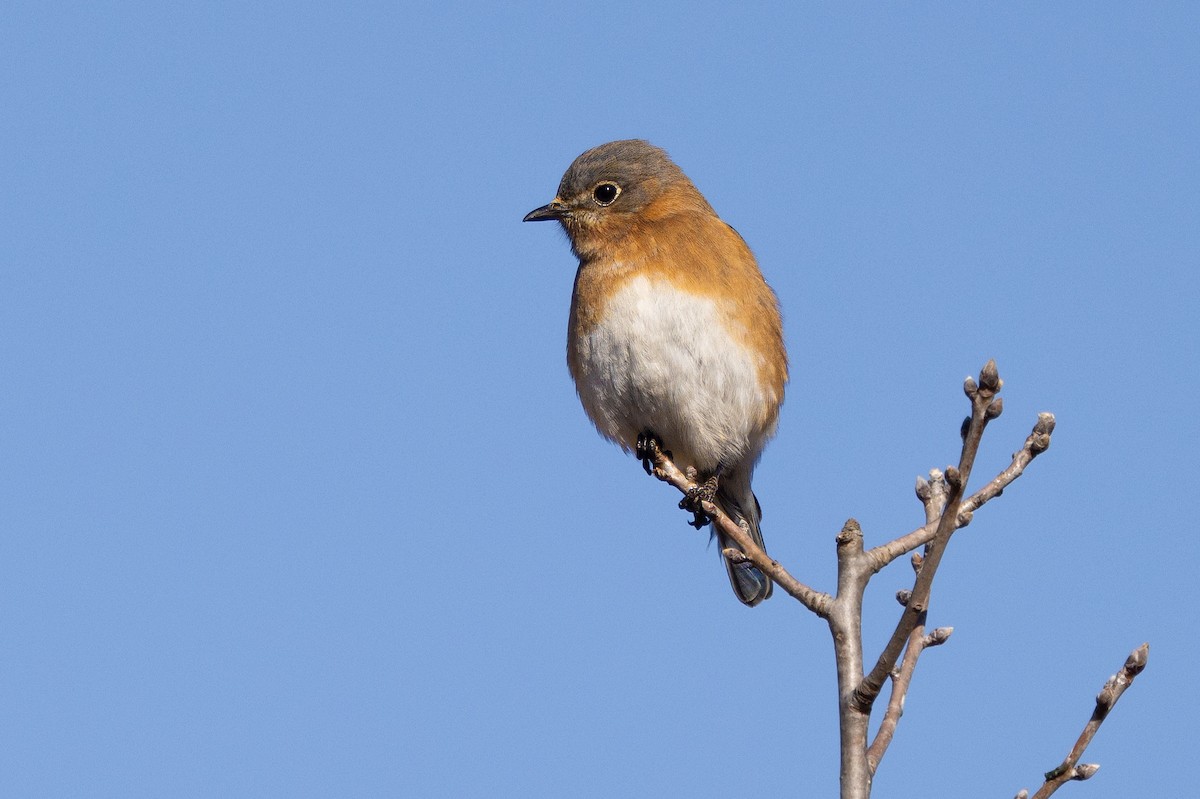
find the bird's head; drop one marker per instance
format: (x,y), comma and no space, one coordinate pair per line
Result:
(612,189)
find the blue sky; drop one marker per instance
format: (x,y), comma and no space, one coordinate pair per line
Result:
(297,496)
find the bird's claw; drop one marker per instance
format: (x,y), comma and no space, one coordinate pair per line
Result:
(694,501)
(647,449)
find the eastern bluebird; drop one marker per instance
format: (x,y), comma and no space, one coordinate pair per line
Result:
(674,335)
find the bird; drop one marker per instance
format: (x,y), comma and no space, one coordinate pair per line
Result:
(674,339)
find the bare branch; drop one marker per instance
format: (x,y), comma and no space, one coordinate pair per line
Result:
(816,601)
(1071,768)
(918,642)
(982,396)
(932,493)
(947,509)
(1037,442)
(845,624)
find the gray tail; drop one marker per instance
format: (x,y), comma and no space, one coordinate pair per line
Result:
(739,503)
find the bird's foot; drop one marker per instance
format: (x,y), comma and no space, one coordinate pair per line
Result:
(695,498)
(647,448)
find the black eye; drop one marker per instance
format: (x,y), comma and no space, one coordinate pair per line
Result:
(605,193)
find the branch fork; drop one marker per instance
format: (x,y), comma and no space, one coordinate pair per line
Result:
(947,508)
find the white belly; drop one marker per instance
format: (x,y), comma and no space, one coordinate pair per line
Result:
(661,360)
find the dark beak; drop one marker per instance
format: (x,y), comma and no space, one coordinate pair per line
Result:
(553,210)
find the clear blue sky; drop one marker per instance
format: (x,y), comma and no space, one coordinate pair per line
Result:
(297,498)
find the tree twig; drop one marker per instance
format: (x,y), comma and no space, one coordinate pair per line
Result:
(1071,768)
(947,509)
(816,601)
(918,642)
(1036,443)
(985,406)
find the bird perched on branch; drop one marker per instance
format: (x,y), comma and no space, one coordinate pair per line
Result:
(675,338)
